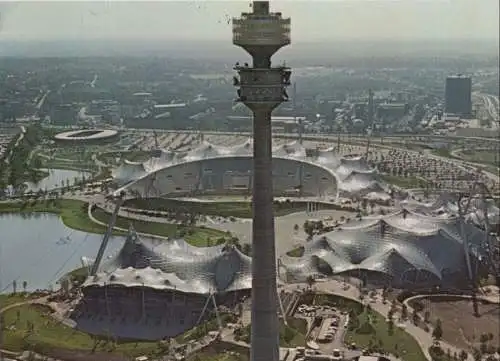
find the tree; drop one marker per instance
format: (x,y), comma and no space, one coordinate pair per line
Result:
(310,281)
(427,317)
(247,249)
(390,327)
(437,333)
(25,285)
(415,317)
(390,314)
(309,228)
(476,354)
(14,286)
(404,312)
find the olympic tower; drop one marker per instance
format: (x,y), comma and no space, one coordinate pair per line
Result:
(262,87)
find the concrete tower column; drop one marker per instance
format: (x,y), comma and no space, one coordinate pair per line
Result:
(261,88)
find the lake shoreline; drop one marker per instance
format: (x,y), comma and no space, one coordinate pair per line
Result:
(73,213)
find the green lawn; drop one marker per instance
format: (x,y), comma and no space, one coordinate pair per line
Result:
(403,182)
(203,356)
(133,156)
(50,335)
(292,335)
(6,300)
(197,236)
(399,343)
(296,252)
(224,209)
(481,156)
(73,213)
(221,352)
(442,152)
(68,165)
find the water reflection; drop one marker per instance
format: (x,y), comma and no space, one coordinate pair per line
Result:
(38,248)
(57,178)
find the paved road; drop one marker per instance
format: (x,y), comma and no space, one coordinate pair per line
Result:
(286,237)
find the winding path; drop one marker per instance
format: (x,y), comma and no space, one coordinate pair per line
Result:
(423,338)
(38,301)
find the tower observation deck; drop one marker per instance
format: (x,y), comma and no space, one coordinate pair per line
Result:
(262,88)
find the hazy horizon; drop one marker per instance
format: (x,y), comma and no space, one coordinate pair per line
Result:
(312,21)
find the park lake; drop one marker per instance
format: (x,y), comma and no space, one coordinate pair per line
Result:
(38,248)
(57,178)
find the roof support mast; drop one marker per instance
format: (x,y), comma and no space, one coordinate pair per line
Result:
(478,186)
(107,235)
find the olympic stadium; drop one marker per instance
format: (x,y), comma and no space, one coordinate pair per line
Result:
(210,169)
(403,249)
(86,136)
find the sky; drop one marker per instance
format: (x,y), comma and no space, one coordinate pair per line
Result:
(312,21)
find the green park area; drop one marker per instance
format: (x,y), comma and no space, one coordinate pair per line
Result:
(293,334)
(403,182)
(481,156)
(296,252)
(370,330)
(133,156)
(77,165)
(227,356)
(74,214)
(197,236)
(30,327)
(221,209)
(13,298)
(18,166)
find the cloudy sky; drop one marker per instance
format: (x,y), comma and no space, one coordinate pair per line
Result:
(207,20)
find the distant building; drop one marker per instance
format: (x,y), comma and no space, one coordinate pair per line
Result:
(280,124)
(392,110)
(458,95)
(476,132)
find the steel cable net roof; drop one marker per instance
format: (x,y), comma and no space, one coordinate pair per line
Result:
(392,245)
(175,265)
(348,176)
(446,206)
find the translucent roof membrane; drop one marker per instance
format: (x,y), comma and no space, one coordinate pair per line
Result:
(392,245)
(175,265)
(353,176)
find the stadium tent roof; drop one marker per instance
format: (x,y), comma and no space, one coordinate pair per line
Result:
(446,206)
(175,265)
(392,245)
(353,175)
(129,171)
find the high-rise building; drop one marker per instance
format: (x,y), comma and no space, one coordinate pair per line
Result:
(262,88)
(458,95)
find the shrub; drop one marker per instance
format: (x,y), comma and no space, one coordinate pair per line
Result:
(366,329)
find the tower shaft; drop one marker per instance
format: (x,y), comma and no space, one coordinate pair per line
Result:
(262,88)
(265,323)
